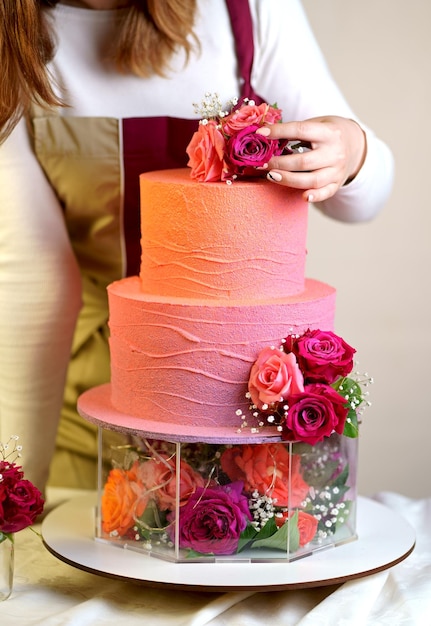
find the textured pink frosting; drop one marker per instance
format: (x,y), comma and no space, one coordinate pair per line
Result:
(188,362)
(222,277)
(221,242)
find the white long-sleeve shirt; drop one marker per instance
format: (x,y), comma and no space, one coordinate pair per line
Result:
(40,289)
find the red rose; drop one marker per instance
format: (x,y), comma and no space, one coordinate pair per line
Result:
(307,526)
(273,377)
(315,414)
(206,153)
(322,355)
(20,501)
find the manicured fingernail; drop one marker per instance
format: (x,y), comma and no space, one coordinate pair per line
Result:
(264,130)
(310,197)
(275,176)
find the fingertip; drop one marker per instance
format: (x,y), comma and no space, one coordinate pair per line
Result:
(264,131)
(274,176)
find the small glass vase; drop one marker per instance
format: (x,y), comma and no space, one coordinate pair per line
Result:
(6,565)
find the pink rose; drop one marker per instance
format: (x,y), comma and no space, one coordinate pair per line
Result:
(158,478)
(272,115)
(268,469)
(248,115)
(206,153)
(247,149)
(322,356)
(315,414)
(274,376)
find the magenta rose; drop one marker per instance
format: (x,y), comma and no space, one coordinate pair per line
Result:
(247,149)
(213,519)
(315,414)
(273,377)
(322,355)
(20,501)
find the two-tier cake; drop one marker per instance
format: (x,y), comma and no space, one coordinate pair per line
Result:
(230,387)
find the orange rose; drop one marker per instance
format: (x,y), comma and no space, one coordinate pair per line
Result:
(158,477)
(121,502)
(206,153)
(265,468)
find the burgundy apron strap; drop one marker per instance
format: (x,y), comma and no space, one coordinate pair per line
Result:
(242,28)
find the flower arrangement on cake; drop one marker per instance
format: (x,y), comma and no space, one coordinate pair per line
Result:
(226,144)
(303,388)
(271,500)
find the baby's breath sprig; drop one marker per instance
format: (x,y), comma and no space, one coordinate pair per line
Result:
(262,508)
(11,450)
(211,107)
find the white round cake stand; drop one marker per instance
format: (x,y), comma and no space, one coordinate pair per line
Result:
(385,539)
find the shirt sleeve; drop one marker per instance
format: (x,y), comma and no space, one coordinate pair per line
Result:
(289,69)
(39,302)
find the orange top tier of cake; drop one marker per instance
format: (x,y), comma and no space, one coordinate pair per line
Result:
(207,241)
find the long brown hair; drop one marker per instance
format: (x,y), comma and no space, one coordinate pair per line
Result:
(149,34)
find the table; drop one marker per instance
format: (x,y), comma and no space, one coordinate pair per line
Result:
(50,592)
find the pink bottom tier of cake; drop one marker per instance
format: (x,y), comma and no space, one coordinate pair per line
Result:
(186,364)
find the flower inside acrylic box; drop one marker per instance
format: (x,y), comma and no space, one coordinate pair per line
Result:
(274,500)
(270,500)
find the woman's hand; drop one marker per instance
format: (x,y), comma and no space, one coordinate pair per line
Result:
(338,149)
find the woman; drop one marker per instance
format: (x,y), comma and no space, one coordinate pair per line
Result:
(95,93)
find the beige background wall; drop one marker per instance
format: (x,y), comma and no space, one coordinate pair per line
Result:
(379,52)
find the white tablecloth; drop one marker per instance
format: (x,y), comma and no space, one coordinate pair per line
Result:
(50,592)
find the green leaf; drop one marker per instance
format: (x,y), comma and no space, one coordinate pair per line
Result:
(151,521)
(342,477)
(269,529)
(351,390)
(351,427)
(284,537)
(323,477)
(299,447)
(247,537)
(250,534)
